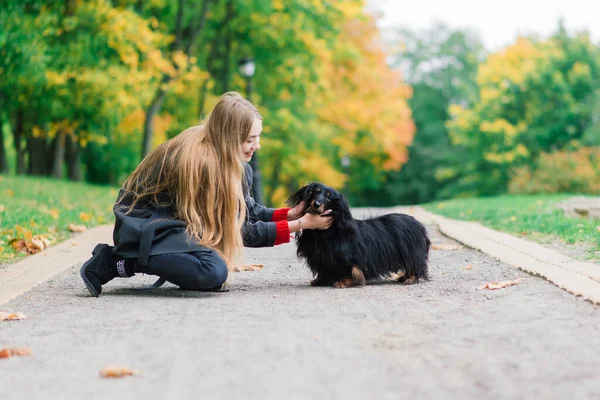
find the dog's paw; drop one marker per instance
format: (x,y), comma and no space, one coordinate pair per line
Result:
(344,283)
(411,280)
(248,267)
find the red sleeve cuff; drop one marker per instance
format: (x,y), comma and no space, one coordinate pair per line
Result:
(282,232)
(280,214)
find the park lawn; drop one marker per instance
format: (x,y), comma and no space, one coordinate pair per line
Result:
(36,208)
(534,217)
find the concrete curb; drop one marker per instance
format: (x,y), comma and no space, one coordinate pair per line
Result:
(576,277)
(16,279)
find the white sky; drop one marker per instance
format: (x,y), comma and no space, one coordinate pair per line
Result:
(498,22)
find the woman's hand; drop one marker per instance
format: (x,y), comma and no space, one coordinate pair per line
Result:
(312,221)
(297,212)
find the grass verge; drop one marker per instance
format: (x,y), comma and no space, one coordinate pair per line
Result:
(534,217)
(41,210)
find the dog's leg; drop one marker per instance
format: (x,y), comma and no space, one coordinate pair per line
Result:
(408,280)
(358,279)
(319,281)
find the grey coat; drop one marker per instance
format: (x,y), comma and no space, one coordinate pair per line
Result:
(148,231)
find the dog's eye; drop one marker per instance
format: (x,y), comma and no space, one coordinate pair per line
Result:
(317,190)
(328,195)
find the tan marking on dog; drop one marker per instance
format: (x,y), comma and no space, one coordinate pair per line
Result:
(345,283)
(358,276)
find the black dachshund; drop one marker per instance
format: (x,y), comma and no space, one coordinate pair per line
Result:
(353,251)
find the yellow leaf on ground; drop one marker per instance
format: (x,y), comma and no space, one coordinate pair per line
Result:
(84,217)
(5,316)
(54,213)
(77,228)
(467,267)
(250,267)
(446,246)
(2,208)
(10,193)
(501,284)
(7,352)
(117,372)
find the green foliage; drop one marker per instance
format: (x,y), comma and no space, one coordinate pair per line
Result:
(441,65)
(533,217)
(534,97)
(46,207)
(568,171)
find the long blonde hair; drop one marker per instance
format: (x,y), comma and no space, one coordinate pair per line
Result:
(199,174)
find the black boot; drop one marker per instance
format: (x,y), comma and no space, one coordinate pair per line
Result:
(102,268)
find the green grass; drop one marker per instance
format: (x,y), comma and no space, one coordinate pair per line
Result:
(534,217)
(32,206)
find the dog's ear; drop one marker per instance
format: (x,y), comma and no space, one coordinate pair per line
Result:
(297,197)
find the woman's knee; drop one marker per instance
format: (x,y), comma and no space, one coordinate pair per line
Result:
(213,271)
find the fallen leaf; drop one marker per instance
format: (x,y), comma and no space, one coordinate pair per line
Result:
(1,249)
(54,213)
(84,217)
(513,218)
(117,372)
(2,208)
(5,316)
(501,284)
(598,228)
(10,193)
(250,267)
(467,267)
(77,228)
(37,245)
(74,244)
(21,351)
(7,352)
(446,246)
(18,245)
(53,230)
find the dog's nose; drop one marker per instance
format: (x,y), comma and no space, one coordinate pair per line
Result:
(318,203)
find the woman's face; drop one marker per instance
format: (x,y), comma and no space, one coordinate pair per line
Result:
(252,142)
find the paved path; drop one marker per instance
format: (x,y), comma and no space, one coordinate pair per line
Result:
(274,337)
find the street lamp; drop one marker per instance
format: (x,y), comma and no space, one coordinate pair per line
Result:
(247,68)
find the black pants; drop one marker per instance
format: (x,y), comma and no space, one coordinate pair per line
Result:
(200,270)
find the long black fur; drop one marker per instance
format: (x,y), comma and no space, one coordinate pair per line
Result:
(378,246)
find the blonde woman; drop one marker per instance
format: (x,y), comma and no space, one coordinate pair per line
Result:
(185,213)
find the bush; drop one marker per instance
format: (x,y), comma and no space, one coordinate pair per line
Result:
(574,171)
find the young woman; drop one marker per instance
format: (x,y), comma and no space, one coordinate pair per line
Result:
(185,213)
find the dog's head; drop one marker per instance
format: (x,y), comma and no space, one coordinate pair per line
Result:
(318,198)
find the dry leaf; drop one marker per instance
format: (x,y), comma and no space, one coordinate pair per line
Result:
(2,208)
(467,267)
(446,246)
(37,245)
(14,351)
(1,249)
(513,218)
(4,316)
(84,217)
(18,245)
(54,213)
(117,372)
(501,284)
(77,228)
(250,267)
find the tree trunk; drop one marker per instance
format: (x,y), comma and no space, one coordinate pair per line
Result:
(73,162)
(154,108)
(3,161)
(227,54)
(18,133)
(38,153)
(209,66)
(59,154)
